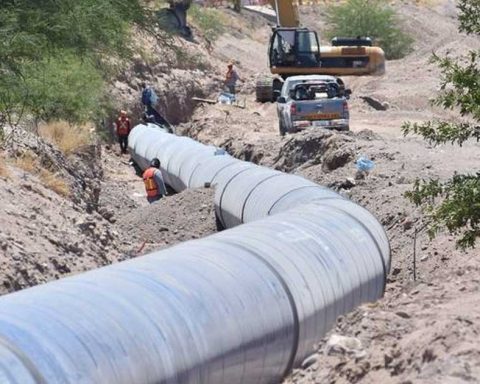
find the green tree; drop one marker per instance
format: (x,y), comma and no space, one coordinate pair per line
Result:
(54,54)
(372,18)
(459,207)
(63,88)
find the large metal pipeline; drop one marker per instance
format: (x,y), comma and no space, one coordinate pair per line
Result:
(241,306)
(243,191)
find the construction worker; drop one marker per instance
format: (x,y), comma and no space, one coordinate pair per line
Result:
(231,78)
(153,180)
(123,127)
(149,100)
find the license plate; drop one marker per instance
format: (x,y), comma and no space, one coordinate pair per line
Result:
(321,123)
(323,116)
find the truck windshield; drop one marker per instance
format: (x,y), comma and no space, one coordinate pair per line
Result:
(314,91)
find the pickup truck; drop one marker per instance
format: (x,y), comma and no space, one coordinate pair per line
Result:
(313,100)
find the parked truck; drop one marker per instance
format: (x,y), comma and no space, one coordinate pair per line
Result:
(314,100)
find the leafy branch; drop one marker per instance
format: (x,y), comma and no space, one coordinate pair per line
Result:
(454,204)
(458,210)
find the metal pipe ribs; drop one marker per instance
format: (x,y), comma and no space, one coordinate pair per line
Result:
(242,306)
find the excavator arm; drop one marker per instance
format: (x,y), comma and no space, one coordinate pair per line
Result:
(287,13)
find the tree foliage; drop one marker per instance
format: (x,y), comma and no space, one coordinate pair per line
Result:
(459,206)
(49,98)
(52,54)
(372,18)
(469,16)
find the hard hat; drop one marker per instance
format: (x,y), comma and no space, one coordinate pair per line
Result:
(122,112)
(155,163)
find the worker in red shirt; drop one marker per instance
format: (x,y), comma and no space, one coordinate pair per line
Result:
(123,127)
(153,180)
(231,78)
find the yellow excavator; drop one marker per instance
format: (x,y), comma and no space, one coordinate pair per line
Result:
(295,50)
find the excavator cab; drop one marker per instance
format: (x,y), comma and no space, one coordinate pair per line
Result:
(294,47)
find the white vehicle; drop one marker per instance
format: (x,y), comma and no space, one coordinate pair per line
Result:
(313,100)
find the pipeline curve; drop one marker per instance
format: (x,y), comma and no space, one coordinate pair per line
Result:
(242,306)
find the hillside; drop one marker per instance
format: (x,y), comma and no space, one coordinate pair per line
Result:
(425,329)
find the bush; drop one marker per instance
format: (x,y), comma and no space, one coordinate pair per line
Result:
(53,55)
(54,182)
(4,172)
(372,18)
(65,136)
(63,88)
(28,162)
(454,204)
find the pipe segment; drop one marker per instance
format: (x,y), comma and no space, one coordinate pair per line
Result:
(242,306)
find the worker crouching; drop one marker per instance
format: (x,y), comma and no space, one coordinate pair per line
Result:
(153,180)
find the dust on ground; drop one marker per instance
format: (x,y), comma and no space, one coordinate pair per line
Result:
(184,216)
(425,330)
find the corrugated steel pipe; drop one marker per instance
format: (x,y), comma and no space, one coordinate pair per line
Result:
(242,306)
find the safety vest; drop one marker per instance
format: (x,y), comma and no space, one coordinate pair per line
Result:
(149,181)
(122,126)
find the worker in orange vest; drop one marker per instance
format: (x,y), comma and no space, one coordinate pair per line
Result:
(231,78)
(153,180)
(123,127)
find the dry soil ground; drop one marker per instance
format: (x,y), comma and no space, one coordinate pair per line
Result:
(423,331)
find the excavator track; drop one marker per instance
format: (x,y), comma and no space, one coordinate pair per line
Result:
(264,89)
(267,88)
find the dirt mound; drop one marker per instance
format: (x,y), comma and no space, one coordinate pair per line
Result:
(315,146)
(422,334)
(80,170)
(49,224)
(184,216)
(99,215)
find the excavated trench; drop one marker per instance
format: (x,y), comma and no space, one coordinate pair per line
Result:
(196,312)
